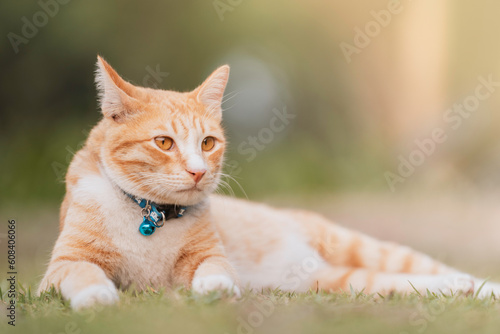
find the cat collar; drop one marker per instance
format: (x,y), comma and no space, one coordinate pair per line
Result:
(155,215)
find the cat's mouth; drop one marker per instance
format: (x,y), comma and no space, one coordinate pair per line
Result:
(193,188)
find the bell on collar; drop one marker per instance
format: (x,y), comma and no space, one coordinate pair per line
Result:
(146,228)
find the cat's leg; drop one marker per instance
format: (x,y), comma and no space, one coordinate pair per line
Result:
(345,248)
(370,281)
(357,250)
(203,265)
(83,283)
(340,246)
(83,260)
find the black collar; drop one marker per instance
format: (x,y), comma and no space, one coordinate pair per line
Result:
(155,215)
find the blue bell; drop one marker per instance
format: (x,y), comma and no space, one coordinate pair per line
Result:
(147,228)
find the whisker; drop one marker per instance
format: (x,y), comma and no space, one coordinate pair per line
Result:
(235,181)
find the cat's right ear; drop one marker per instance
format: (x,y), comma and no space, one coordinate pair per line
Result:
(115,94)
(211,92)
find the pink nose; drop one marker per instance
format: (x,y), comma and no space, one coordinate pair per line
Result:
(197,174)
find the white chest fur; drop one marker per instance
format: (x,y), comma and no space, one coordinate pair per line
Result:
(145,260)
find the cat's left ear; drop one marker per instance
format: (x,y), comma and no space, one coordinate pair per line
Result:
(211,92)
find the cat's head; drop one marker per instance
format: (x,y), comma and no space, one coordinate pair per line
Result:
(162,145)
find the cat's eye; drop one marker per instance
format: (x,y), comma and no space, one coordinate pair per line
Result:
(208,144)
(165,143)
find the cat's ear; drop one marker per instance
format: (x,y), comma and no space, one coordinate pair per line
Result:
(115,94)
(210,93)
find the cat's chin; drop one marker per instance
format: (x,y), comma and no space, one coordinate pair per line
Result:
(189,196)
(183,197)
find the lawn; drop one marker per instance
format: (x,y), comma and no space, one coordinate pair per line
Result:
(263,312)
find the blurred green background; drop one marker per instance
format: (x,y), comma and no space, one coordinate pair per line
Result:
(354,116)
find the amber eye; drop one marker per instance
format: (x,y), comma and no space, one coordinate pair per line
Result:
(208,144)
(165,143)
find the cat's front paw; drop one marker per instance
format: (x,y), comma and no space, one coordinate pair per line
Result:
(95,294)
(205,284)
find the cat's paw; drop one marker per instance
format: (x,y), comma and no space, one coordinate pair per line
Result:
(95,294)
(457,283)
(205,284)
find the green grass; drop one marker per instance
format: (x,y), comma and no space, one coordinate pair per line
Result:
(179,311)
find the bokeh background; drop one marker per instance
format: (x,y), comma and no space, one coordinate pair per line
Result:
(354,116)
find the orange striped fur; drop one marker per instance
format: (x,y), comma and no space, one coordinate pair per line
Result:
(221,243)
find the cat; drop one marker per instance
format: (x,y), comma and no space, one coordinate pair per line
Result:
(140,211)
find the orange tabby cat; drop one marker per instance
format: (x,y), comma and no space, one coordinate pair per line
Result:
(139,211)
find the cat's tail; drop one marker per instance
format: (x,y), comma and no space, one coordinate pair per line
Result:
(342,247)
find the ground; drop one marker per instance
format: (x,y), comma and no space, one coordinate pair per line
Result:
(265,312)
(460,231)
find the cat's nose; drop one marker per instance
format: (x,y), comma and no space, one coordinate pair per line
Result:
(196,174)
